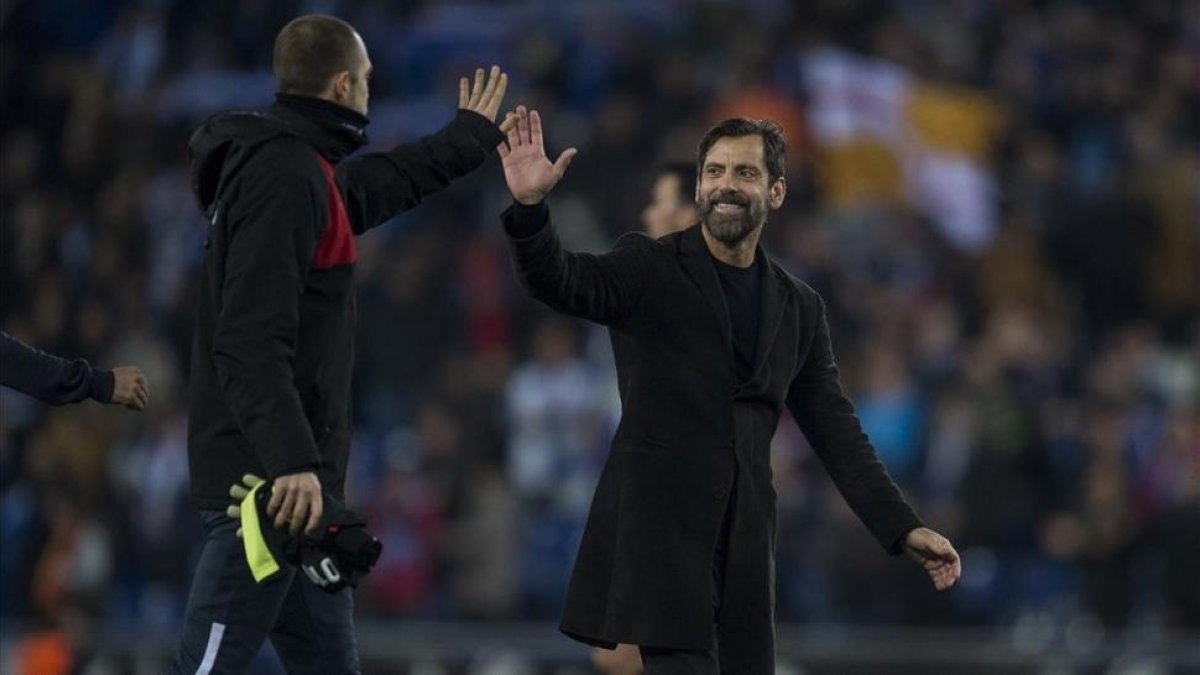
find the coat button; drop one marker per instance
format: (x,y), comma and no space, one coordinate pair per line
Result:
(719,494)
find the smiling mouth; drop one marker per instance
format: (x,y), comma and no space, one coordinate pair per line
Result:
(728,208)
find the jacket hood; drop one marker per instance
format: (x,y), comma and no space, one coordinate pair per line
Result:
(223,145)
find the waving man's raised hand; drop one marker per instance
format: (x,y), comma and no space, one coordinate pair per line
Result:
(527,169)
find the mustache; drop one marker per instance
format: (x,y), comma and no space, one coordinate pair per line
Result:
(728,197)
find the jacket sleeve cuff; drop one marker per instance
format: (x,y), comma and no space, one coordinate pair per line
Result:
(483,130)
(897,543)
(285,466)
(522,221)
(101,384)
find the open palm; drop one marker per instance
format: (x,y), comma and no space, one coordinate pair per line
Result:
(527,170)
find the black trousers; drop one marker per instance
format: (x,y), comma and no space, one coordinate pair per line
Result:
(708,662)
(229,616)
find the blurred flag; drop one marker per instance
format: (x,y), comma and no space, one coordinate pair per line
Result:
(885,137)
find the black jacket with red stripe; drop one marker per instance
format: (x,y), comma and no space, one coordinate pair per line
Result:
(274,345)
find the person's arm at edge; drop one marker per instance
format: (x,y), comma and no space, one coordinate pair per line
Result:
(58,381)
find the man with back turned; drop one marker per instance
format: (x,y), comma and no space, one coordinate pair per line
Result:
(273,351)
(711,340)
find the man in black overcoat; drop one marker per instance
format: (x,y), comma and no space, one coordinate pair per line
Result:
(711,340)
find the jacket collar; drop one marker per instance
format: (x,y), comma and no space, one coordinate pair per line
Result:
(335,131)
(697,262)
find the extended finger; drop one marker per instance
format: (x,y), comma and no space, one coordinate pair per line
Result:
(476,90)
(523,125)
(510,121)
(252,480)
(535,130)
(564,160)
(503,150)
(514,134)
(492,105)
(238,492)
(234,512)
(464,92)
(485,99)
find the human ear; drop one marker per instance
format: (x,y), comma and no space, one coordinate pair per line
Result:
(777,192)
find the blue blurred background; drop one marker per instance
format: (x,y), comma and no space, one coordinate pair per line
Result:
(999,200)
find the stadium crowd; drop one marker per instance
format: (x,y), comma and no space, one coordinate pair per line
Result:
(998,200)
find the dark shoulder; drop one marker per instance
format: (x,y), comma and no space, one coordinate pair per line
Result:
(669,241)
(282,173)
(635,239)
(669,245)
(644,246)
(284,170)
(286,159)
(810,300)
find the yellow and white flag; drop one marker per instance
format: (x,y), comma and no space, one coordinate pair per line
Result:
(885,137)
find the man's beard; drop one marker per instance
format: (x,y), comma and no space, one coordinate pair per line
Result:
(732,228)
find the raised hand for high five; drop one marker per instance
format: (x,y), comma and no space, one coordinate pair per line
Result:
(485,98)
(527,170)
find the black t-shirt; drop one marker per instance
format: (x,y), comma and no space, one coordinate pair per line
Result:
(743,291)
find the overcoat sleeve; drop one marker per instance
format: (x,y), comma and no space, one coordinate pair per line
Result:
(827,418)
(604,288)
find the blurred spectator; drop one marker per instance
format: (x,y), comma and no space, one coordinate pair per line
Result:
(555,424)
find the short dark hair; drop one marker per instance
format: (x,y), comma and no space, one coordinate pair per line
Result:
(310,50)
(686,173)
(774,144)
